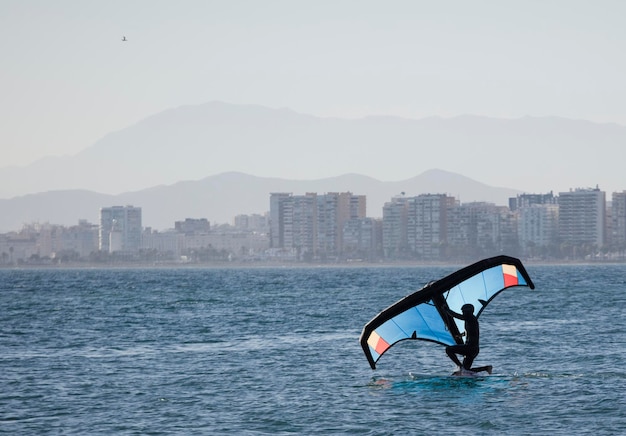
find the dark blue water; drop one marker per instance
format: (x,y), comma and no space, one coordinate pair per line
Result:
(276,351)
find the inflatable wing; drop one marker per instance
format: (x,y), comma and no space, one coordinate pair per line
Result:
(423,314)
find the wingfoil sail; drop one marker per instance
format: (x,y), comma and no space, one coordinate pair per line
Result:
(422,315)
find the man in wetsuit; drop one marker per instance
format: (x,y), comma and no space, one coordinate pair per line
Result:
(469,350)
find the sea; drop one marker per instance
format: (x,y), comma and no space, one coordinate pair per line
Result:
(275,350)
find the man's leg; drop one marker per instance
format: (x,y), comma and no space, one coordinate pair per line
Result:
(487,368)
(451,352)
(467,362)
(470,355)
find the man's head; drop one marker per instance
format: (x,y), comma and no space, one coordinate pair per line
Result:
(467,308)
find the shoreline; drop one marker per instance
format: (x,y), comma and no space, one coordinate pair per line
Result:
(293,265)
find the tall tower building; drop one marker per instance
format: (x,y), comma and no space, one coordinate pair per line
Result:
(582,218)
(120,229)
(395,242)
(334,210)
(312,224)
(537,228)
(278,205)
(427,220)
(302,214)
(618,218)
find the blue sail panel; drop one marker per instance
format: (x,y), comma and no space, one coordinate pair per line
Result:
(478,290)
(420,322)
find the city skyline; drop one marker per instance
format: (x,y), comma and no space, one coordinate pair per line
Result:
(333,227)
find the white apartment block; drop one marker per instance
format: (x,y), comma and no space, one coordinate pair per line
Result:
(427,219)
(395,243)
(278,214)
(312,224)
(120,229)
(582,217)
(618,220)
(537,227)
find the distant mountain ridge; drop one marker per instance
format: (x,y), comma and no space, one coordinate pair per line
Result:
(193,142)
(220,198)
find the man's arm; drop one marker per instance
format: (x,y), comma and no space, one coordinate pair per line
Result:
(454,314)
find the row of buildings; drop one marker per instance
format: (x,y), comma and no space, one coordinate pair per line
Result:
(579,224)
(121,238)
(333,227)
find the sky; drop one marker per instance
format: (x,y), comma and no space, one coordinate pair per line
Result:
(67,78)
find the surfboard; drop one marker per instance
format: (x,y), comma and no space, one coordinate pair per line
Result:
(480,371)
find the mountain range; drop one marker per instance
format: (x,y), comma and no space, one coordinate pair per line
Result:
(217,160)
(194,142)
(220,198)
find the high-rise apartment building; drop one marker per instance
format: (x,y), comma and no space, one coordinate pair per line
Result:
(120,229)
(538,228)
(618,220)
(300,220)
(395,215)
(311,224)
(480,229)
(278,205)
(582,218)
(333,211)
(459,232)
(427,221)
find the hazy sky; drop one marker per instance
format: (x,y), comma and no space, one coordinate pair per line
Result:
(67,79)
